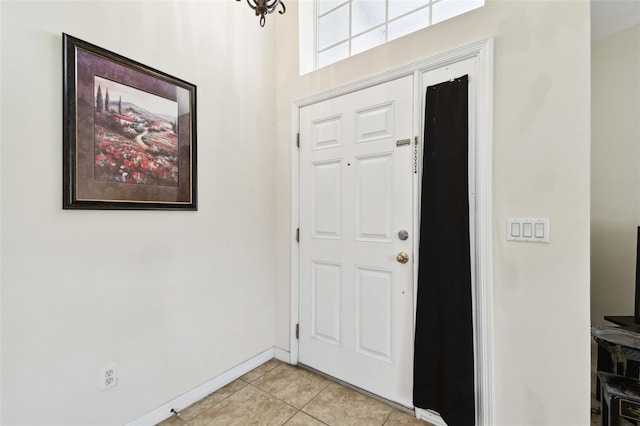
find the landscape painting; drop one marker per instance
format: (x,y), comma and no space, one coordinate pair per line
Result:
(136,136)
(129,137)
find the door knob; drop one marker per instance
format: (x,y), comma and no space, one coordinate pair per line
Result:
(402,257)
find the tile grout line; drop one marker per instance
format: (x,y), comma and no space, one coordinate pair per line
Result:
(279,365)
(361,391)
(329,382)
(314,397)
(287,421)
(386,419)
(223,399)
(246,383)
(298,410)
(279,399)
(314,417)
(283,401)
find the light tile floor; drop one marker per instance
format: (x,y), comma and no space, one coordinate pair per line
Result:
(277,393)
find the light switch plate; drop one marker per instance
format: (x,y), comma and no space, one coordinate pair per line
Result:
(534,230)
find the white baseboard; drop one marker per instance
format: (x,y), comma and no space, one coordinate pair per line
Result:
(282,355)
(430,416)
(183,401)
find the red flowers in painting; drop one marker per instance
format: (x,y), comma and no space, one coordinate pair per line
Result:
(131,149)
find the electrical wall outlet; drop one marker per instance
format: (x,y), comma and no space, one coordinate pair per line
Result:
(108,376)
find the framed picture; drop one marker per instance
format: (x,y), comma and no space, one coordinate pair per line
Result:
(129,133)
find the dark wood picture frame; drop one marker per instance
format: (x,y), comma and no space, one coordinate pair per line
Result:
(129,133)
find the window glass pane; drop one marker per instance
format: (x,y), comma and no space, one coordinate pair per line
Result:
(400,7)
(409,24)
(367,14)
(335,54)
(367,40)
(333,27)
(340,28)
(446,9)
(326,5)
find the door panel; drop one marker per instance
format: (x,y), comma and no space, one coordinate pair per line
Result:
(326,133)
(325,200)
(326,317)
(374,197)
(374,313)
(355,299)
(374,123)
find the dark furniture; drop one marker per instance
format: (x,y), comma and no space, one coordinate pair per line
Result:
(620,398)
(626,321)
(618,352)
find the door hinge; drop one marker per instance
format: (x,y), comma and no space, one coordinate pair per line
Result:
(298,235)
(298,331)
(298,140)
(415,156)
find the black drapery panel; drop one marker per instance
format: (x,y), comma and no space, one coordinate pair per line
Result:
(443,361)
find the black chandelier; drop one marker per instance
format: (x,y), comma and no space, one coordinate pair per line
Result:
(263,7)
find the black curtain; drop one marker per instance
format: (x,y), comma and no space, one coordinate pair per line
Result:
(443,361)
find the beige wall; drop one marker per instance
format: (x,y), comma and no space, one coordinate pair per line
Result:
(83,289)
(174,298)
(541,169)
(615,173)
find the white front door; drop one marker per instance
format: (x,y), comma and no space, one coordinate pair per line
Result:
(355,297)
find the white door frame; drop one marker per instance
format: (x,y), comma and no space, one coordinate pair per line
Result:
(482,51)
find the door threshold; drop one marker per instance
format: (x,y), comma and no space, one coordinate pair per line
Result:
(399,407)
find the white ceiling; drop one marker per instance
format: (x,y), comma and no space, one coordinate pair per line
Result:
(611,16)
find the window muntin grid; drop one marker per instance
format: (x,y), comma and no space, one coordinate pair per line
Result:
(347,27)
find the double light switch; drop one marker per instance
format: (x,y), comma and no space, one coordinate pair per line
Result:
(527,229)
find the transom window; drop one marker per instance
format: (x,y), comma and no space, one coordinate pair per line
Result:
(347,27)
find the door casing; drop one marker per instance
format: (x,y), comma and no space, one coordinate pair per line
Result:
(482,52)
